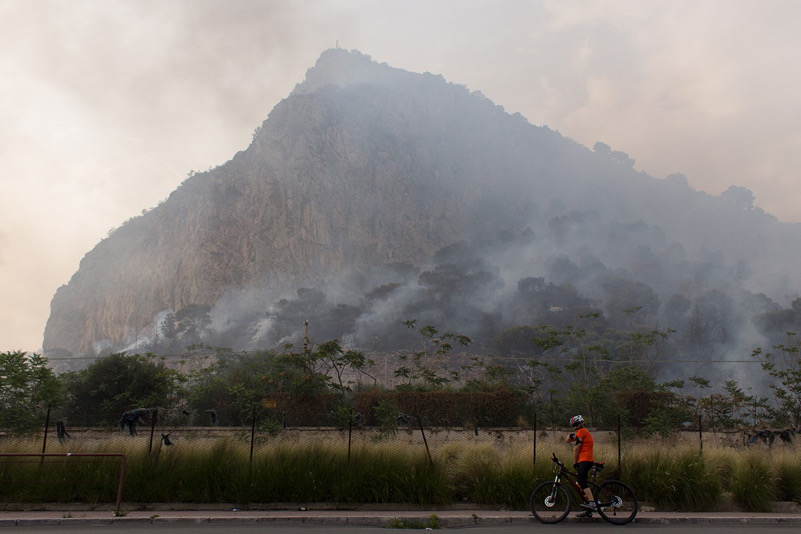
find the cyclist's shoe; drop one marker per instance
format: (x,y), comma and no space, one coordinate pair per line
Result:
(589,508)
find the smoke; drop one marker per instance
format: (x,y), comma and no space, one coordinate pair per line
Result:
(544,232)
(477,291)
(551,260)
(546,271)
(3,246)
(106,106)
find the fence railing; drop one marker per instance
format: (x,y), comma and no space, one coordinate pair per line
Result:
(612,443)
(68,457)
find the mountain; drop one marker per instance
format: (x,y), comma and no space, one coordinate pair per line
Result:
(371,195)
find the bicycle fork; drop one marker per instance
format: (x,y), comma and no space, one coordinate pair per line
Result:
(550,500)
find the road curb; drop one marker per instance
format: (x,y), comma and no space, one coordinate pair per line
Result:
(381,519)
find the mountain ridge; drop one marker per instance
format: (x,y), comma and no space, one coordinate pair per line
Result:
(368,171)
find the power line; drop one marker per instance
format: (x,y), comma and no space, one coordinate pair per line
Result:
(645,361)
(528,358)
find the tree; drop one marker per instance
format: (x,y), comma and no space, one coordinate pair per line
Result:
(741,197)
(516,341)
(719,315)
(642,347)
(27,388)
(732,408)
(572,358)
(192,322)
(116,383)
(701,383)
(776,322)
(602,148)
(233,384)
(545,303)
(617,155)
(629,303)
(169,327)
(759,409)
(739,403)
(337,363)
(428,366)
(678,179)
(676,311)
(627,391)
(784,367)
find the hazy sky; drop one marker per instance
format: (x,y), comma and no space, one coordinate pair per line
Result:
(105,106)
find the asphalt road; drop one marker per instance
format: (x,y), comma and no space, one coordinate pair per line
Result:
(295,528)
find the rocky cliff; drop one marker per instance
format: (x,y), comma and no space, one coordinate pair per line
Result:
(366,178)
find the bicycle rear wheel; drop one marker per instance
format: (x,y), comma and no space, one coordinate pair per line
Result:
(616,502)
(550,502)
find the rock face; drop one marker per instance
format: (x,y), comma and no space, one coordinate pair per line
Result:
(366,172)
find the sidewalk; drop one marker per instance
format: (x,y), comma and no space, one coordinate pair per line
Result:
(446,518)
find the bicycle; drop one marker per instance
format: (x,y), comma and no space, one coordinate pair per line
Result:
(614,500)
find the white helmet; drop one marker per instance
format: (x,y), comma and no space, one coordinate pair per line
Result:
(576,420)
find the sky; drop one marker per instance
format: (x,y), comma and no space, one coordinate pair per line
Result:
(107,106)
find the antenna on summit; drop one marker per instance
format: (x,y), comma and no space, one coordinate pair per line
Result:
(337,44)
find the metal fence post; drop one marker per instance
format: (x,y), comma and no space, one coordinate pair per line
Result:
(47,426)
(350,431)
(534,451)
(154,414)
(619,449)
(252,432)
(425,441)
(700,435)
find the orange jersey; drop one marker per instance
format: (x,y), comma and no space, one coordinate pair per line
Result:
(585,452)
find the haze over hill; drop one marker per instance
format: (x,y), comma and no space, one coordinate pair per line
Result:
(372,195)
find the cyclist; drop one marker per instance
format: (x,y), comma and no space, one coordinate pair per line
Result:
(582,454)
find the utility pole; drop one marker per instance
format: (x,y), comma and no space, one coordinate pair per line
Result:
(305,336)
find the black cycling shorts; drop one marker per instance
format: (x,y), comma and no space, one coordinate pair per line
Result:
(583,471)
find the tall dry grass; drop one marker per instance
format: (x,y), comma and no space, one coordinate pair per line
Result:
(680,478)
(490,472)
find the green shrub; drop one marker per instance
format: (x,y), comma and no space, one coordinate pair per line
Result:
(482,475)
(319,473)
(681,479)
(788,474)
(753,483)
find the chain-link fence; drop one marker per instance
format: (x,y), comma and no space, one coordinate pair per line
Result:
(409,422)
(391,456)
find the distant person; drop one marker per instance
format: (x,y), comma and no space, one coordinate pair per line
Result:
(582,455)
(132,418)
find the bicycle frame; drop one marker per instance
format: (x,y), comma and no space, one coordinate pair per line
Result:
(573,478)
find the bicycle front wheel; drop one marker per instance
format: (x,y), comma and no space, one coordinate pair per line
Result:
(550,502)
(616,502)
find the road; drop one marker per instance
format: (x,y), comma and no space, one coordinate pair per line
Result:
(296,528)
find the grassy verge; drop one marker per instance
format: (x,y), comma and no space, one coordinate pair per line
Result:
(678,479)
(787,466)
(220,471)
(753,483)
